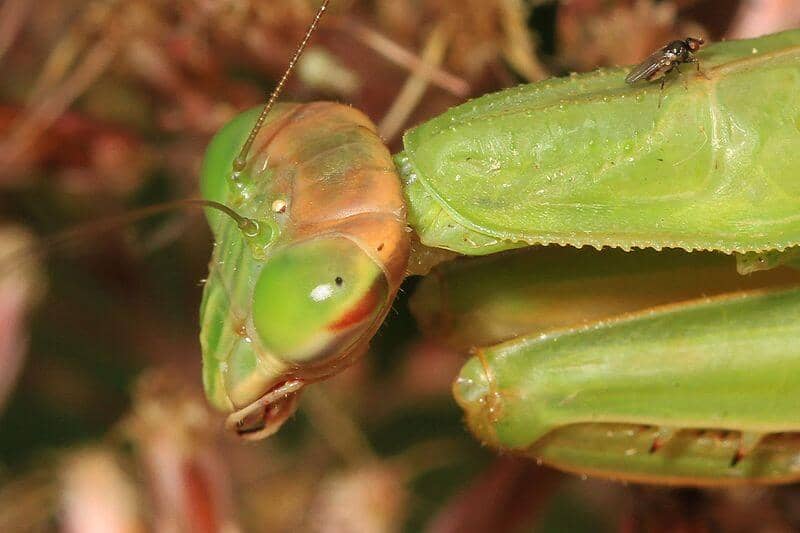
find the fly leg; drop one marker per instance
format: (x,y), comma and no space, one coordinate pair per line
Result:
(661,87)
(664,75)
(699,70)
(685,81)
(661,90)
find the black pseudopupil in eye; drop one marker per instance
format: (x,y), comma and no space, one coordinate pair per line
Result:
(339,280)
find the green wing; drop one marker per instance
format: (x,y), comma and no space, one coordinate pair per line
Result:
(591,160)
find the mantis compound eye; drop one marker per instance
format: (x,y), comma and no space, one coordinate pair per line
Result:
(318,299)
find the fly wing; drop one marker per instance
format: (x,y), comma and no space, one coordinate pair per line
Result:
(654,62)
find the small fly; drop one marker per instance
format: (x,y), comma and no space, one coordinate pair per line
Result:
(664,60)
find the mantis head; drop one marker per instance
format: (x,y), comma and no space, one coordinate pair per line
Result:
(298,303)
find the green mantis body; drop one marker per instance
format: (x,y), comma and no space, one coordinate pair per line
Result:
(704,392)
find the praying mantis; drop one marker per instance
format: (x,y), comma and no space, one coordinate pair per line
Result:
(681,371)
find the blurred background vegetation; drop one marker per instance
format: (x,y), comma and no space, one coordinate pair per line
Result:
(106,106)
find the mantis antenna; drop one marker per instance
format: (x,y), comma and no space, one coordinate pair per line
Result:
(248,226)
(241,159)
(64,238)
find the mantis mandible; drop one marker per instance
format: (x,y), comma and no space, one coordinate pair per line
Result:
(701,392)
